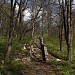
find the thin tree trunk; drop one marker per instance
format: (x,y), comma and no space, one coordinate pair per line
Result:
(69,30)
(61,36)
(33,30)
(61,28)
(10,36)
(20,21)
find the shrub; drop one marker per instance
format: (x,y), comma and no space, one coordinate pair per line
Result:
(13,67)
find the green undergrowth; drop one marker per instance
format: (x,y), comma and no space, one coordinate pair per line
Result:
(52,44)
(16,46)
(63,67)
(3,47)
(12,67)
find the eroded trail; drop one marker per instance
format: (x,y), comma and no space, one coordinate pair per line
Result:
(38,68)
(34,66)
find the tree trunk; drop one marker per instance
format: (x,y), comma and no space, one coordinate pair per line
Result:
(61,27)
(10,36)
(69,30)
(61,36)
(20,20)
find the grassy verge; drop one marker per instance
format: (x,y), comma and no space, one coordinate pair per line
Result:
(63,67)
(3,47)
(12,67)
(54,48)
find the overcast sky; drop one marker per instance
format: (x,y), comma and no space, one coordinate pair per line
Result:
(74,1)
(27,14)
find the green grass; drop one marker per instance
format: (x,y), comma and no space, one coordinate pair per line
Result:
(16,46)
(63,67)
(52,43)
(13,67)
(3,47)
(54,48)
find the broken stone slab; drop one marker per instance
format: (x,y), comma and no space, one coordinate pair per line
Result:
(45,49)
(25,47)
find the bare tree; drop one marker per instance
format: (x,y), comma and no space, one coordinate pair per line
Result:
(67,20)
(69,30)
(61,27)
(10,36)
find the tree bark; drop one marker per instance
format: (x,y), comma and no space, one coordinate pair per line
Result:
(69,31)
(10,36)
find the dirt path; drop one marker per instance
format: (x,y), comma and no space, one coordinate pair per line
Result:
(38,68)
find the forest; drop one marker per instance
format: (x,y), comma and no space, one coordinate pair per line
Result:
(37,37)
